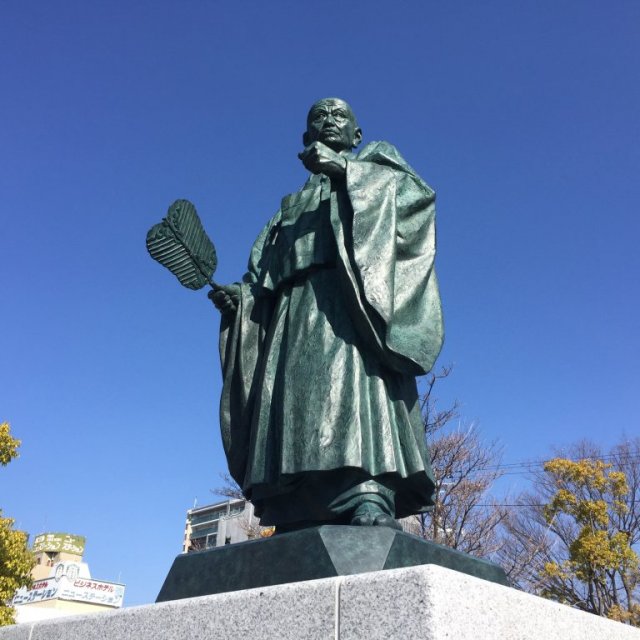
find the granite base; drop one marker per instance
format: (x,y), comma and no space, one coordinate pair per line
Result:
(419,603)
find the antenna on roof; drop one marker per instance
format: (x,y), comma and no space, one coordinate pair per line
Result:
(195,502)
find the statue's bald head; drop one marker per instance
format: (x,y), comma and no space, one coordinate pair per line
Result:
(332,122)
(331,102)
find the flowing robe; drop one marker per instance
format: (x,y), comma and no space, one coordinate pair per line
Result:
(338,313)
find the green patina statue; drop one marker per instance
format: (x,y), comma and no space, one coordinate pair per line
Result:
(320,345)
(322,340)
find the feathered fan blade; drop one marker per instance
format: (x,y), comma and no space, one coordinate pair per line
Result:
(181,244)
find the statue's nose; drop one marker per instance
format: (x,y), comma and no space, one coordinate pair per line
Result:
(329,119)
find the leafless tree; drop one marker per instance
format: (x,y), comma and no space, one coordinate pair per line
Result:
(465,467)
(229,488)
(249,523)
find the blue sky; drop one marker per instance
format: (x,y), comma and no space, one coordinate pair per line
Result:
(522,115)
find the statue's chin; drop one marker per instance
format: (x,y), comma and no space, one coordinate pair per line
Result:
(334,143)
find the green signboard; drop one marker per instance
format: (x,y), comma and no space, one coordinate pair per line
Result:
(59,542)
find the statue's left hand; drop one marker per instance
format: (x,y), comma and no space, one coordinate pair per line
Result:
(318,158)
(226,298)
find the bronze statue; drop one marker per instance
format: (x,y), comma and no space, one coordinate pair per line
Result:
(322,340)
(320,346)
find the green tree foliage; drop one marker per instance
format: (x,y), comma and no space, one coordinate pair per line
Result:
(8,445)
(574,540)
(16,561)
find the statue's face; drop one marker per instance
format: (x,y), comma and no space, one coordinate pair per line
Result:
(332,122)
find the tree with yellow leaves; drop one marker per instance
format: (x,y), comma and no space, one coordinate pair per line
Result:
(574,540)
(16,561)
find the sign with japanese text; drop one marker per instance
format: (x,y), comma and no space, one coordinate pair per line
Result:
(79,590)
(59,542)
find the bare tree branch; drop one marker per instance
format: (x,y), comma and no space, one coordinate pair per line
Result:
(465,467)
(229,489)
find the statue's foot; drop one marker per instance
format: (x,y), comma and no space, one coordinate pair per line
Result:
(363,520)
(386,520)
(371,514)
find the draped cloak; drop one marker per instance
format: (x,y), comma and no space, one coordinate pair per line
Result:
(338,313)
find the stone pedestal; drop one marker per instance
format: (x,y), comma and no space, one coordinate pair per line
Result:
(310,554)
(418,603)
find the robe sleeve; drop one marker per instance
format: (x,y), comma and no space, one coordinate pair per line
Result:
(240,345)
(384,222)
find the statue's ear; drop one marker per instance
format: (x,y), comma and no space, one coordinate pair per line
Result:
(305,139)
(357,137)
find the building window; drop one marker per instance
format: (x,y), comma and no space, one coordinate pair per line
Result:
(203,532)
(211,541)
(211,516)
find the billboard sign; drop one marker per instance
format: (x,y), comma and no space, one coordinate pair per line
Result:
(108,594)
(59,542)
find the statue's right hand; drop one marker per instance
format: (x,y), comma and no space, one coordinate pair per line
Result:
(226,298)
